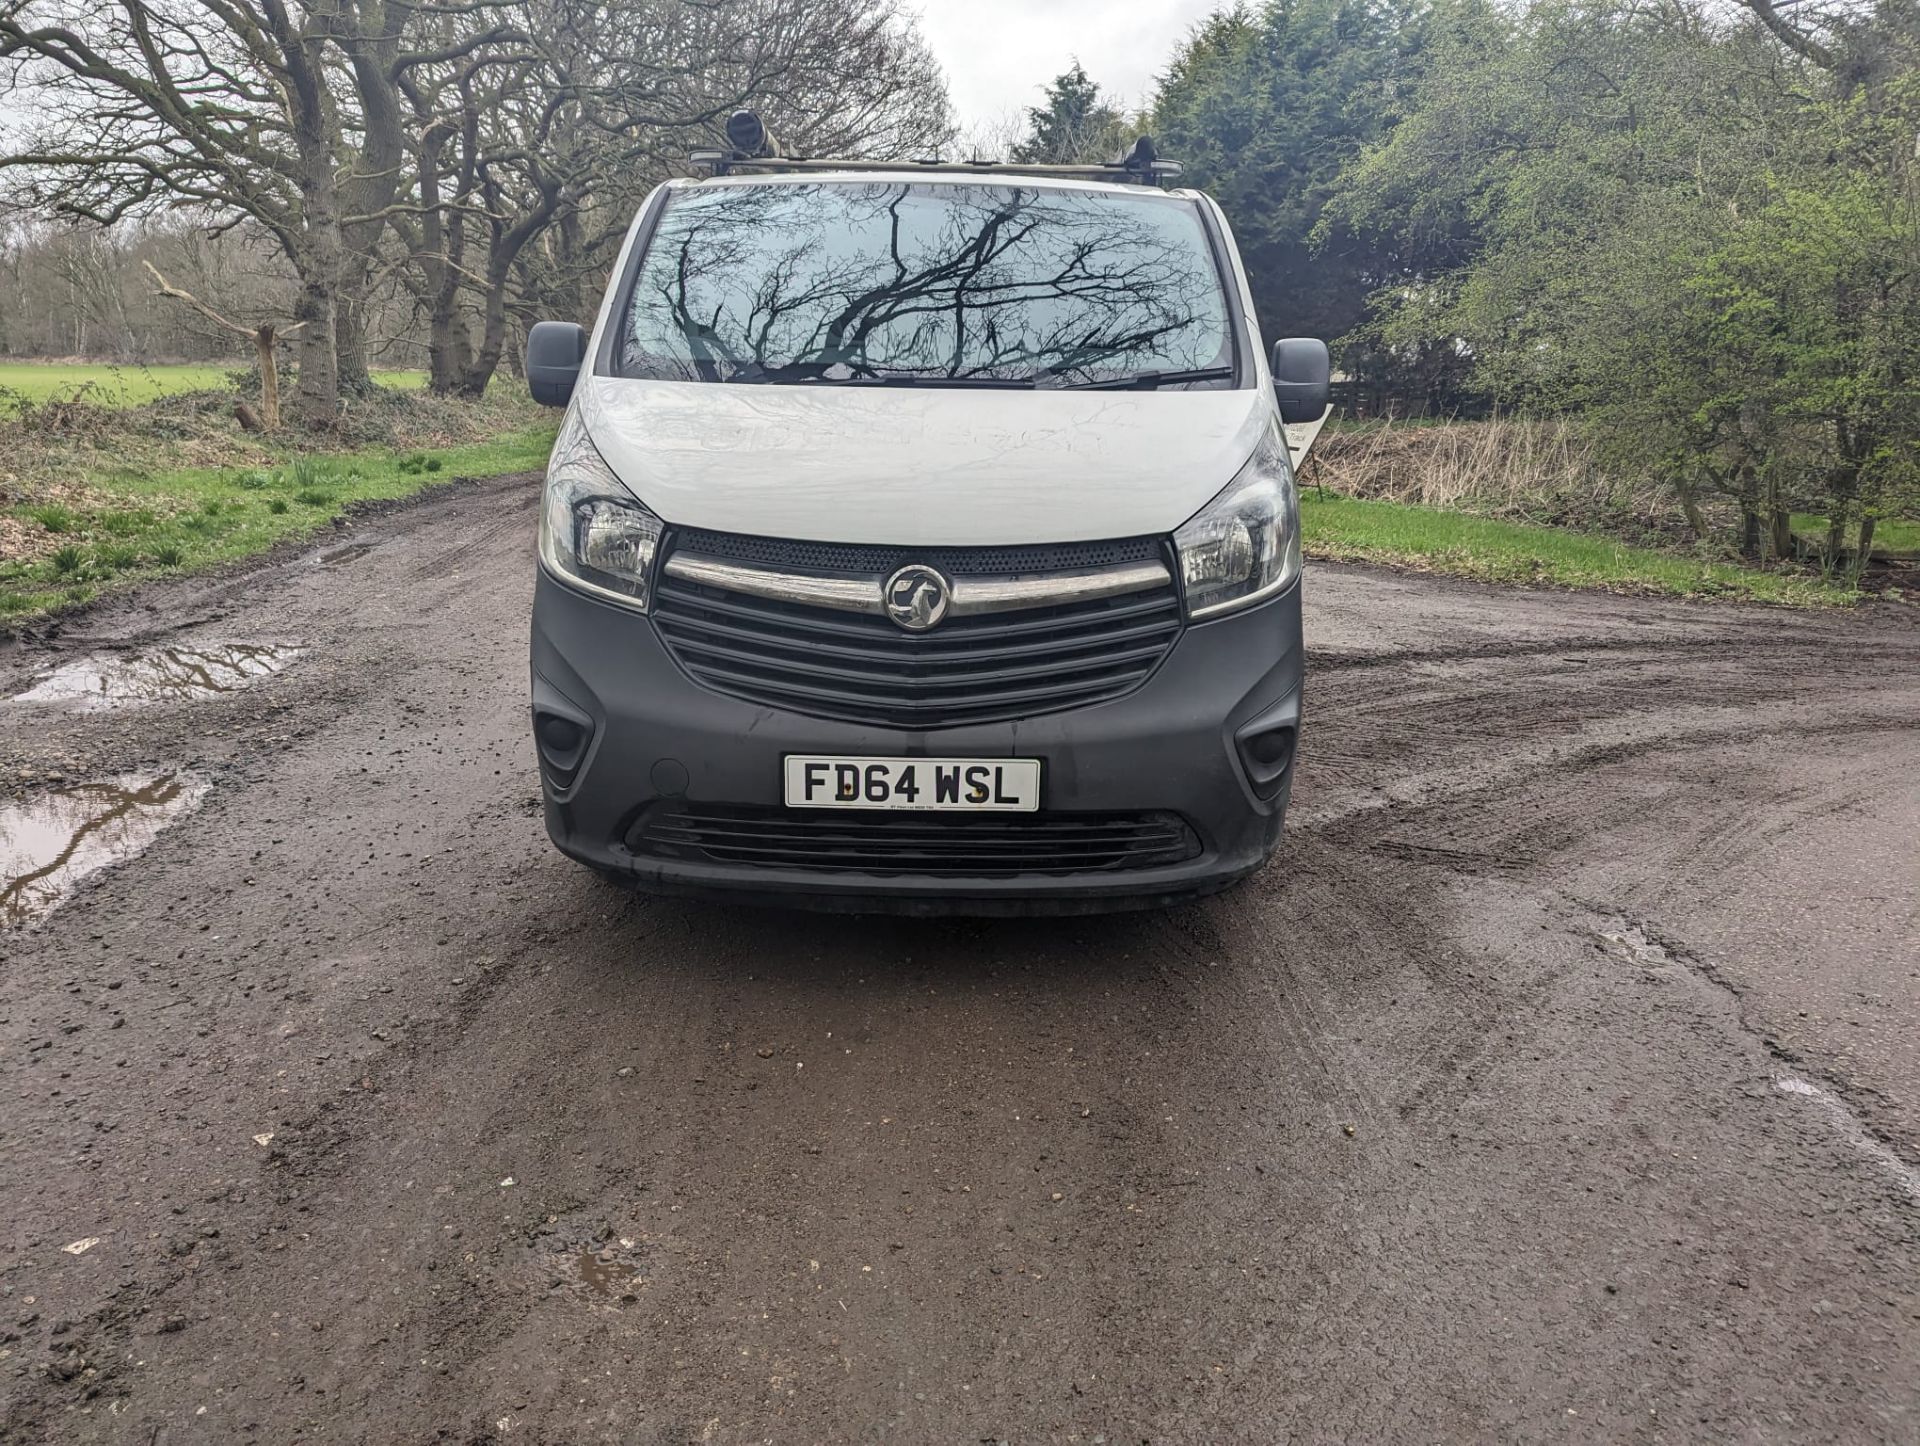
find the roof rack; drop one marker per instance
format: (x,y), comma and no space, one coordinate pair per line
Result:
(753,148)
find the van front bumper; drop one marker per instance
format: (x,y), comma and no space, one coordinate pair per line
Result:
(628,741)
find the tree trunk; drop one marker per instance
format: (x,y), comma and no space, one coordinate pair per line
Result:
(442,249)
(503,250)
(372,47)
(493,339)
(449,347)
(1750,521)
(262,337)
(1842,489)
(311,236)
(449,351)
(1836,531)
(269,377)
(317,256)
(1690,509)
(316,388)
(350,336)
(1866,538)
(1782,533)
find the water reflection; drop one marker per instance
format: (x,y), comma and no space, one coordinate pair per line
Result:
(181,674)
(50,843)
(989,285)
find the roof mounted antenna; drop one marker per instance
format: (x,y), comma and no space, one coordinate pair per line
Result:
(748,139)
(1139,161)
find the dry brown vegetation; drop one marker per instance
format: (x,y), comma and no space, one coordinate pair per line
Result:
(1549,471)
(74,473)
(1541,471)
(1496,466)
(49,450)
(96,498)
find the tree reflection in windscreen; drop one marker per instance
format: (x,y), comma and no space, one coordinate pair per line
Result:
(853,281)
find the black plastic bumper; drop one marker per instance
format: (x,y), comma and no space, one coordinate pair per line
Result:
(1209,737)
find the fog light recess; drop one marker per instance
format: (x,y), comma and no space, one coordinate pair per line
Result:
(563,743)
(1266,752)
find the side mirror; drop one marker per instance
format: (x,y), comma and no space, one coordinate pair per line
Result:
(555,350)
(1302,378)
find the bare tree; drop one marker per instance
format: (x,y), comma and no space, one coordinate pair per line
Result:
(436,142)
(528,163)
(263,336)
(226,103)
(262,110)
(72,287)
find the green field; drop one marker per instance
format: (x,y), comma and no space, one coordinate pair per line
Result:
(1892,534)
(111,384)
(139,525)
(1427,539)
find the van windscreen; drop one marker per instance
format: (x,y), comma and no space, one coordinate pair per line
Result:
(892,283)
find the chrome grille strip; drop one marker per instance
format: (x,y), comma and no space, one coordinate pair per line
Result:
(848,594)
(972,596)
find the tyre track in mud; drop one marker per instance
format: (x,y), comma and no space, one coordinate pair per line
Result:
(1390,1142)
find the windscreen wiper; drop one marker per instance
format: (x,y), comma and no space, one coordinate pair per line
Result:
(1146,380)
(897,379)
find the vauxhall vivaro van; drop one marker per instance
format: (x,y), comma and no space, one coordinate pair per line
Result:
(921,536)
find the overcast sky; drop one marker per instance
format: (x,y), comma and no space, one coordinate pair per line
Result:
(998,53)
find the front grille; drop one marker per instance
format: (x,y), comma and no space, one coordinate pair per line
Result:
(979,669)
(878,559)
(895,844)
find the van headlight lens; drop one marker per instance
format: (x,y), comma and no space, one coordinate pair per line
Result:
(1245,544)
(594,532)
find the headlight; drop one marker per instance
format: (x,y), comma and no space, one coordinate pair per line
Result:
(593,531)
(1245,544)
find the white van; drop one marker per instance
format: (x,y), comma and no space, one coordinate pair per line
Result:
(921,536)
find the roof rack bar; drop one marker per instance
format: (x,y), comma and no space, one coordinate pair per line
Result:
(751,147)
(720,163)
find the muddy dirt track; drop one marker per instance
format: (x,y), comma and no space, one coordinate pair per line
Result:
(1559,1081)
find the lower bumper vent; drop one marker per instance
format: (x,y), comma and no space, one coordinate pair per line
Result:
(898,845)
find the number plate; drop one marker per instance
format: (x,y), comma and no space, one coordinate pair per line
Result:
(967,785)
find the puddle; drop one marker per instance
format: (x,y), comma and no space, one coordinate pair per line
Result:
(586,1261)
(342,555)
(605,1275)
(156,675)
(50,843)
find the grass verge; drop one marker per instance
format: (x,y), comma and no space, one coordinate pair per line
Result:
(1429,539)
(129,525)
